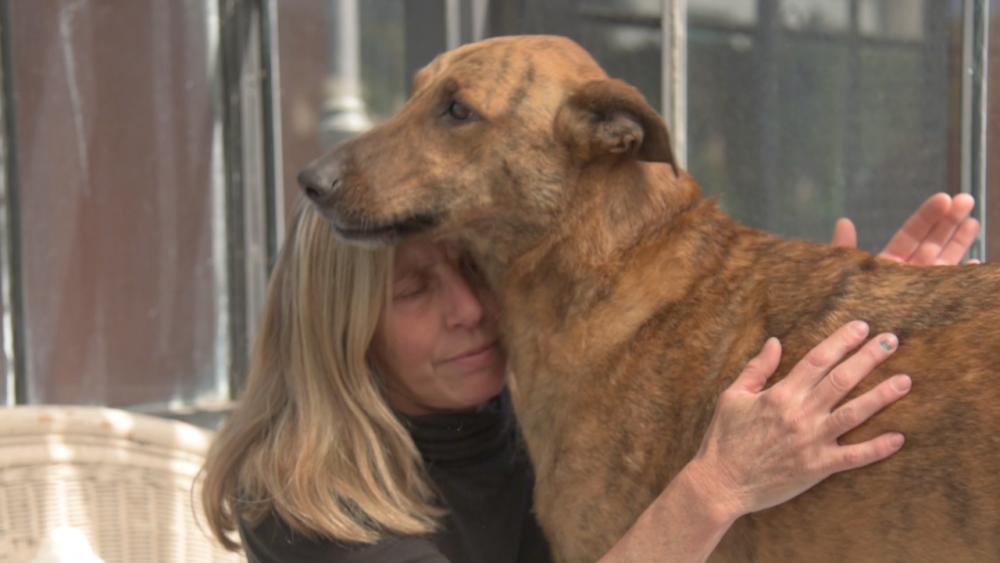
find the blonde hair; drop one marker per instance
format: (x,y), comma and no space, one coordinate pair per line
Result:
(313,439)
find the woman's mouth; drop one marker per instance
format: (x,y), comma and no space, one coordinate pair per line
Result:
(476,357)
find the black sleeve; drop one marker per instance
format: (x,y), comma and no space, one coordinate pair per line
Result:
(273,542)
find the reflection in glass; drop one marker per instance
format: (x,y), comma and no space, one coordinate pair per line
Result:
(114,130)
(796,126)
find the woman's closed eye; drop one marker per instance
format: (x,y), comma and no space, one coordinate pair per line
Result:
(410,287)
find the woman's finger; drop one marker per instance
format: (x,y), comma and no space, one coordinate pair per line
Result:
(855,412)
(825,355)
(932,247)
(909,237)
(865,453)
(759,369)
(844,233)
(959,244)
(832,389)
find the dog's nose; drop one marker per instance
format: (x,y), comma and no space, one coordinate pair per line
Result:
(317,186)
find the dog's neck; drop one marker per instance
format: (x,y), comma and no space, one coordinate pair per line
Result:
(605,266)
(617,206)
(610,209)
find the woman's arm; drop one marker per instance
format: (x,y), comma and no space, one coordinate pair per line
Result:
(765,446)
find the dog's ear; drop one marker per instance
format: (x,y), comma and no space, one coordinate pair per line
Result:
(609,117)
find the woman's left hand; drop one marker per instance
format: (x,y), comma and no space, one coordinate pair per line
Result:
(765,446)
(939,233)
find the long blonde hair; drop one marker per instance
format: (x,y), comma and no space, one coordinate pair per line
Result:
(313,439)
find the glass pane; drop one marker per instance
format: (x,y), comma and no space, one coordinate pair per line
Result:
(114,110)
(896,19)
(800,111)
(302,52)
(306,51)
(813,15)
(797,125)
(622,35)
(721,12)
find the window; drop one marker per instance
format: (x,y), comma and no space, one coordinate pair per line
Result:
(110,154)
(150,149)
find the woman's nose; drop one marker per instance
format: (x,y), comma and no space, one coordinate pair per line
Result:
(464,307)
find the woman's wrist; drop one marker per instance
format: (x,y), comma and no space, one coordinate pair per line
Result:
(684,524)
(721,505)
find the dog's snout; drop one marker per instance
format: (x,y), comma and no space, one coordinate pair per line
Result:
(317,185)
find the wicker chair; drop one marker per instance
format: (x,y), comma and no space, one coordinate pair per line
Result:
(123,479)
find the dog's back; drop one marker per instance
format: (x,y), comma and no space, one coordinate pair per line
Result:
(646,401)
(939,498)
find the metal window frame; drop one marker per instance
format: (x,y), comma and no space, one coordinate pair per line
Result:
(253,215)
(673,74)
(975,112)
(14,390)
(271,109)
(345,113)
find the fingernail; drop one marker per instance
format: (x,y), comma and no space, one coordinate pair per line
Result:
(896,441)
(860,327)
(902,383)
(888,342)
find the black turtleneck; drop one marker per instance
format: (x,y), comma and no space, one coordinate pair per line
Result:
(484,479)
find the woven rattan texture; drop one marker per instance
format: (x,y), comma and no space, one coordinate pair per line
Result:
(125,480)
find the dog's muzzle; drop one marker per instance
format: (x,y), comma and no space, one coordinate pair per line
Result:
(322,184)
(318,185)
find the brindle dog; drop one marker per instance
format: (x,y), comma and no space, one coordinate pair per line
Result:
(630,303)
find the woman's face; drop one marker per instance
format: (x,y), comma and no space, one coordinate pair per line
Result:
(436,342)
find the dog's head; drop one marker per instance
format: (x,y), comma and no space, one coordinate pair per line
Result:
(493,137)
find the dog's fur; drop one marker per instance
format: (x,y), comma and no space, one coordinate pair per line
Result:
(630,303)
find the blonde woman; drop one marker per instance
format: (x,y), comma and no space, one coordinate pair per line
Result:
(374,426)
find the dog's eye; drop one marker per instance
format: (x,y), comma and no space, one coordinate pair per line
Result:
(459,112)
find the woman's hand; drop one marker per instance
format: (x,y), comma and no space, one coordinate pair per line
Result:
(937,234)
(764,447)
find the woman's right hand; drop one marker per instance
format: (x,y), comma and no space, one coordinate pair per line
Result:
(766,446)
